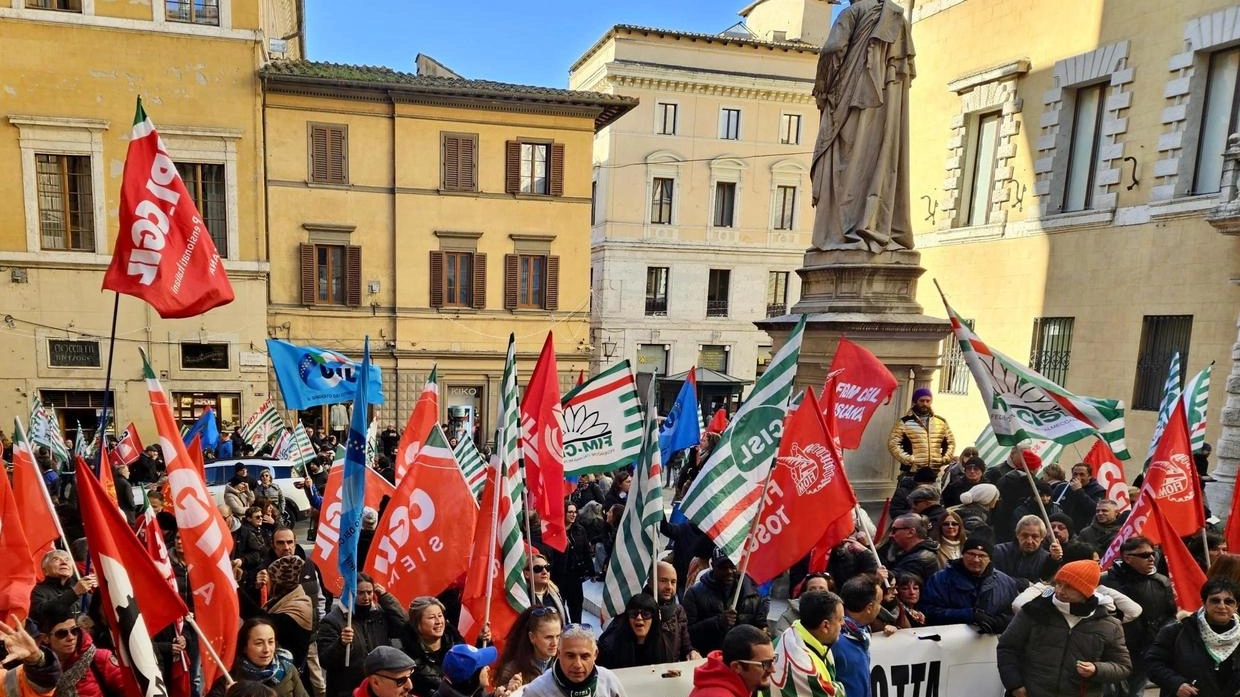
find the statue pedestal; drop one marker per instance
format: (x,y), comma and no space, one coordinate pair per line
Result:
(870,299)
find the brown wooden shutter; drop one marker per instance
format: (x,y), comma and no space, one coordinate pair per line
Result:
(512,171)
(468,163)
(338,155)
(512,274)
(318,154)
(557,169)
(480,281)
(353,276)
(450,153)
(553,283)
(307,274)
(436,276)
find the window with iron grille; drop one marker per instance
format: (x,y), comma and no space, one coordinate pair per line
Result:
(665,118)
(656,290)
(205,183)
(717,292)
(661,201)
(1162,336)
(1051,351)
(193,11)
(776,293)
(789,129)
(725,204)
(954,378)
(785,205)
(66,202)
(730,124)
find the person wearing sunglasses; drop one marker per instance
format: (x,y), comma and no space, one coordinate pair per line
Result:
(86,670)
(1136,575)
(389,673)
(1197,655)
(743,666)
(530,647)
(546,593)
(634,638)
(259,659)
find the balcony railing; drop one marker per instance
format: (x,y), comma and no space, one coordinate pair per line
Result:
(776,310)
(656,307)
(716,308)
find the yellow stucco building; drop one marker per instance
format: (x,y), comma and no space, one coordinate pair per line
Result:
(436,215)
(71,72)
(1065,157)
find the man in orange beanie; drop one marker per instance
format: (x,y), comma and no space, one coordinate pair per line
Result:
(1090,651)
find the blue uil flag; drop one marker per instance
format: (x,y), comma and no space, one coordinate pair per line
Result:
(353,484)
(309,375)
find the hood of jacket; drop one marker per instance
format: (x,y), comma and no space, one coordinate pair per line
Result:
(716,675)
(1043,608)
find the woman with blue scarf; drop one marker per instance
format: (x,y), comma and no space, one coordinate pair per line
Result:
(258,660)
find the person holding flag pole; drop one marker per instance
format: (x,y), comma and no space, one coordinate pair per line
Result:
(353,491)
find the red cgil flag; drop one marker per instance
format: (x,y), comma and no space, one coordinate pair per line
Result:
(481,581)
(38,516)
(542,445)
(17,564)
(326,552)
(861,384)
(164,254)
(128,446)
(136,601)
(1107,469)
(106,479)
(422,419)
(1186,577)
(808,490)
(718,422)
(422,543)
(206,540)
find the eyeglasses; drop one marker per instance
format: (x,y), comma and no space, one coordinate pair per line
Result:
(949,524)
(543,611)
(1229,602)
(579,625)
(768,664)
(63,634)
(898,528)
(641,615)
(976,554)
(541,568)
(397,681)
(1141,555)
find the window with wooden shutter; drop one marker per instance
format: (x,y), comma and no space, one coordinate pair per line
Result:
(511,272)
(512,167)
(553,283)
(480,281)
(557,169)
(460,160)
(307,273)
(329,153)
(353,276)
(436,276)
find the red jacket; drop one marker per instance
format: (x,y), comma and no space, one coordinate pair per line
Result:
(715,679)
(105,667)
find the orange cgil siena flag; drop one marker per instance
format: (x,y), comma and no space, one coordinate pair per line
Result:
(422,419)
(17,565)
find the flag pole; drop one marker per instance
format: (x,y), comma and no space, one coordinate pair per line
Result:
(348,623)
(107,381)
(753,528)
(206,644)
(486,615)
(529,538)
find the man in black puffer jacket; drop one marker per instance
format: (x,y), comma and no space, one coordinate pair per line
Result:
(377,620)
(908,548)
(708,604)
(1136,576)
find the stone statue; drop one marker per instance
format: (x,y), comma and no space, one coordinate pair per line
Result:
(859,175)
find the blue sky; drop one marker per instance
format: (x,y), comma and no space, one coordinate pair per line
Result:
(532,42)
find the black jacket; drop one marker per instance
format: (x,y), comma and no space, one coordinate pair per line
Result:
(428,665)
(922,559)
(1035,566)
(1039,651)
(1153,593)
(377,626)
(705,602)
(1179,656)
(51,593)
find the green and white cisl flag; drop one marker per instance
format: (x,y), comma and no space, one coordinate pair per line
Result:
(602,423)
(638,535)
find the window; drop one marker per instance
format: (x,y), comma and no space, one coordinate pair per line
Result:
(193,11)
(661,201)
(665,118)
(725,204)
(776,293)
(187,407)
(1162,336)
(331,274)
(1051,351)
(459,158)
(535,168)
(66,202)
(652,358)
(531,281)
(329,153)
(458,279)
(785,205)
(1083,153)
(656,291)
(713,357)
(717,292)
(195,356)
(981,162)
(62,5)
(954,378)
(790,129)
(730,124)
(205,183)
(1221,116)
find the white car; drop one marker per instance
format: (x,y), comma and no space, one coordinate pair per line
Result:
(285,474)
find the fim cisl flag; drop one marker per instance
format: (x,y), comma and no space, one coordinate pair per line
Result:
(164,253)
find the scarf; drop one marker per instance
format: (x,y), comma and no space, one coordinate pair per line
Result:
(861,633)
(271,675)
(1219,645)
(68,683)
(949,550)
(575,689)
(297,605)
